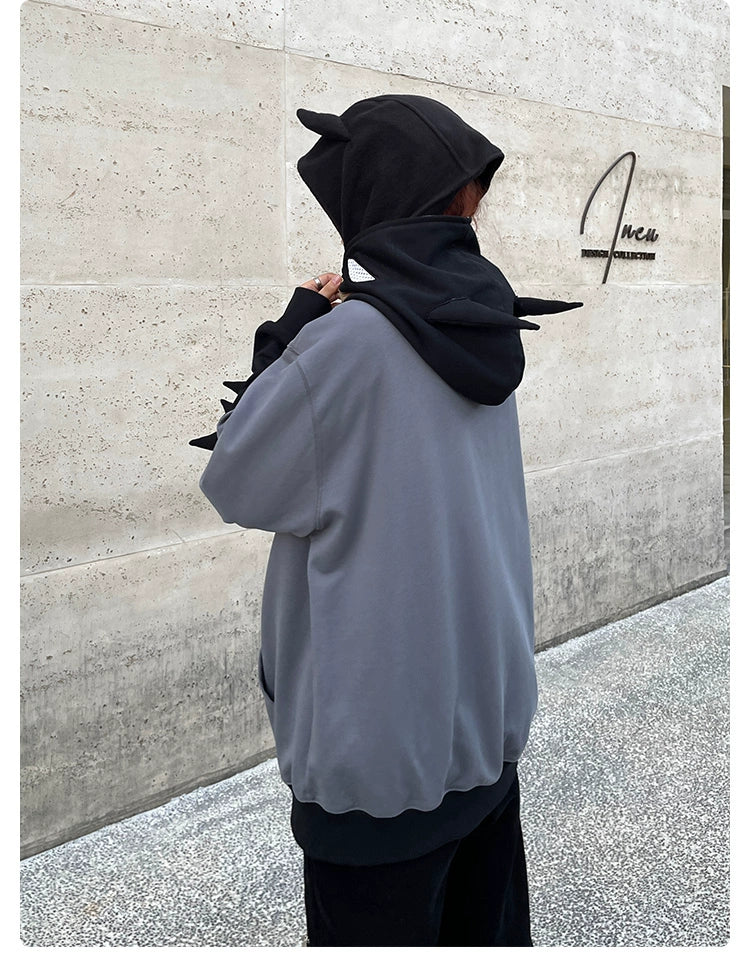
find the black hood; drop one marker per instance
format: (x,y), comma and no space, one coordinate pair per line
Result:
(384,171)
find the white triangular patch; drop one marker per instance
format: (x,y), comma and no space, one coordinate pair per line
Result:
(357,273)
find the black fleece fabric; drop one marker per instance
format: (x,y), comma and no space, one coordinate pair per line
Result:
(384,171)
(271,339)
(388,157)
(358,838)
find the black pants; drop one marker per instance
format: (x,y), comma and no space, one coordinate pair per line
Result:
(470,892)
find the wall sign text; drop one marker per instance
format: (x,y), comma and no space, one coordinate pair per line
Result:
(628,231)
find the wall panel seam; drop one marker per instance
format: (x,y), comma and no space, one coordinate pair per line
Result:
(127,553)
(514,98)
(391,74)
(659,446)
(113,15)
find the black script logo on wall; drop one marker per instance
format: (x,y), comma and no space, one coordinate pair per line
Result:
(628,231)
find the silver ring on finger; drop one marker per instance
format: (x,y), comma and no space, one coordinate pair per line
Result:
(318,282)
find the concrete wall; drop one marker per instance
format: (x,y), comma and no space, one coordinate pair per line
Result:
(163,220)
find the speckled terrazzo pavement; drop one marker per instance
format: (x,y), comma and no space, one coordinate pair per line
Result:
(625,781)
(625,806)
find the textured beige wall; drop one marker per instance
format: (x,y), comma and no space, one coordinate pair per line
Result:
(163,220)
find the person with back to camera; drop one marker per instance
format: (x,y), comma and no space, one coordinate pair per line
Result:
(378,438)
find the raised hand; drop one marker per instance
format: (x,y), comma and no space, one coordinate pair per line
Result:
(329,288)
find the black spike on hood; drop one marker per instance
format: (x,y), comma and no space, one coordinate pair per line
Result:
(385,171)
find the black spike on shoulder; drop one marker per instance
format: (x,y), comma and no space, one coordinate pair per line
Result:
(466,311)
(226,405)
(238,386)
(208,441)
(526,305)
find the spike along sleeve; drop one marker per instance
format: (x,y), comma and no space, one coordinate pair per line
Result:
(263,471)
(271,339)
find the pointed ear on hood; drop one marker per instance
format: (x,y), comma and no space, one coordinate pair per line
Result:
(391,157)
(324,123)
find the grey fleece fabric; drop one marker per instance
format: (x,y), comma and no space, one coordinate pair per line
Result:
(397,629)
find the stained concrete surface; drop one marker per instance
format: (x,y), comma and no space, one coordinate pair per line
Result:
(625,808)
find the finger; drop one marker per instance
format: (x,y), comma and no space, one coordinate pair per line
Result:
(323,279)
(330,286)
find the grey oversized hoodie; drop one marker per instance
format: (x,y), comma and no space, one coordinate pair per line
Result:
(397,636)
(397,628)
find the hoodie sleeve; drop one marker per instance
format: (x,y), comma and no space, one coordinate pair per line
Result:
(264,470)
(271,339)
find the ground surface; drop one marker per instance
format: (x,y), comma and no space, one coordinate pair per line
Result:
(625,809)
